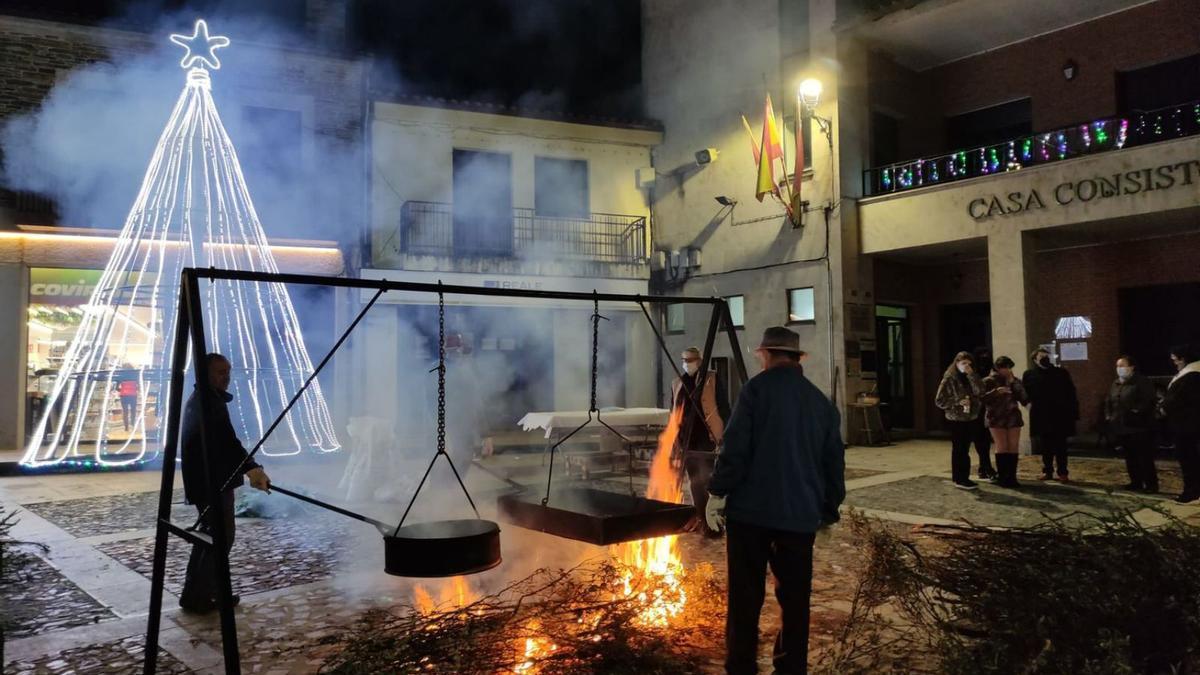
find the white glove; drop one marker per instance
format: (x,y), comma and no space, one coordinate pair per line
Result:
(714,513)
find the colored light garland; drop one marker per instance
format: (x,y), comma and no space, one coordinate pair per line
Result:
(1056,145)
(193,192)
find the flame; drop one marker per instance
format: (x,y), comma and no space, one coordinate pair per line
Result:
(454,593)
(658,560)
(532,648)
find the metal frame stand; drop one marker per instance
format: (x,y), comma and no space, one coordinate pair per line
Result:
(190,325)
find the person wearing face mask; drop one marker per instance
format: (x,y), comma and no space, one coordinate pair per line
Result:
(1053,411)
(1182,408)
(700,429)
(1129,411)
(1003,396)
(958,396)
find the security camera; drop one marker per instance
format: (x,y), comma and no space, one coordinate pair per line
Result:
(706,156)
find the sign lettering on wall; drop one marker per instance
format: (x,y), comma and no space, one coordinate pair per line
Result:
(1086,190)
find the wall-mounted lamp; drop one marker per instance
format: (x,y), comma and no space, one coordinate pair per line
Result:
(726,201)
(1070,69)
(809,96)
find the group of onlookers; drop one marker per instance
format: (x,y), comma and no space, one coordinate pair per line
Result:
(982,403)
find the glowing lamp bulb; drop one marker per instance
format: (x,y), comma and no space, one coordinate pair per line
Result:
(810,92)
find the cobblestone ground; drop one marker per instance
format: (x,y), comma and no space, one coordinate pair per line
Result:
(119,656)
(94,516)
(269,554)
(299,591)
(1106,473)
(989,505)
(37,598)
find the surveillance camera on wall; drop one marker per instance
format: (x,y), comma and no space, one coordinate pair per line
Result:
(706,156)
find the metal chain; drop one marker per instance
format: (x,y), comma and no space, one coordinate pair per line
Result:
(595,347)
(441,410)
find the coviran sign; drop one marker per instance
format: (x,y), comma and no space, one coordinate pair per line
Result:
(1086,190)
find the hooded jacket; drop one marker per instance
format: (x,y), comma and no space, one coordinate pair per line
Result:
(1182,402)
(783,462)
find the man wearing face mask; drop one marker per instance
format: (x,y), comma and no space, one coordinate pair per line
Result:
(700,429)
(1129,411)
(1053,411)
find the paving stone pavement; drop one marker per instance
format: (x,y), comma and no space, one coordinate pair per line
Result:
(268,554)
(298,588)
(35,598)
(118,656)
(95,516)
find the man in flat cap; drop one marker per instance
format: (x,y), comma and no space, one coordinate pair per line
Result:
(778,479)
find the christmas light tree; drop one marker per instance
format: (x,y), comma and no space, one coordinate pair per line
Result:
(193,210)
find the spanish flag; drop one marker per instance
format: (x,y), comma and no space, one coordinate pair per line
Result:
(770,150)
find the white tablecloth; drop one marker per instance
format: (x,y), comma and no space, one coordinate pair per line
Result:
(617,417)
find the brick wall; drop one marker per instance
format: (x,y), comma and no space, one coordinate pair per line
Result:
(1142,36)
(1072,282)
(1085,282)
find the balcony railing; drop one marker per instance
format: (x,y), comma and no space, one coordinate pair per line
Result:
(1105,135)
(431,228)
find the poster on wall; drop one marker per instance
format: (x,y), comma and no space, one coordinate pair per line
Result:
(1073,351)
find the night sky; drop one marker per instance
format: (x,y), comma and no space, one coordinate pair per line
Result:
(567,56)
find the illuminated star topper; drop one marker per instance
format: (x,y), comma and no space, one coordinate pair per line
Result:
(200,47)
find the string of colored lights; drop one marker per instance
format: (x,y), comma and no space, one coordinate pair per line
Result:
(192,209)
(1058,145)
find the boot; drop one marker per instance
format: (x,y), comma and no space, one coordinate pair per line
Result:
(1008,470)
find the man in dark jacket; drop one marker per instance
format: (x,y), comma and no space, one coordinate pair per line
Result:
(1053,411)
(1129,411)
(226,459)
(778,479)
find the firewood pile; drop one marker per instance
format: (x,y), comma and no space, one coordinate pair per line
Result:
(588,619)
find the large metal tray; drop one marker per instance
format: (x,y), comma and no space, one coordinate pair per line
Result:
(596,516)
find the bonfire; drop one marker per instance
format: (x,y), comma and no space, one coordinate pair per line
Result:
(636,611)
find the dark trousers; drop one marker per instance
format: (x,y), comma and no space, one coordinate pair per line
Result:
(983,446)
(1053,449)
(200,583)
(750,550)
(128,411)
(699,468)
(962,434)
(1187,450)
(1139,459)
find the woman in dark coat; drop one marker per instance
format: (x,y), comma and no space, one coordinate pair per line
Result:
(1053,411)
(958,396)
(983,435)
(1003,395)
(1182,408)
(1129,411)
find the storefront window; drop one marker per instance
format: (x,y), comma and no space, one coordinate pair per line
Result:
(124,375)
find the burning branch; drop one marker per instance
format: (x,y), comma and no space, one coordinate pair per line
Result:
(566,621)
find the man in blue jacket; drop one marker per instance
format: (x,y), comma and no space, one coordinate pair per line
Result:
(779,478)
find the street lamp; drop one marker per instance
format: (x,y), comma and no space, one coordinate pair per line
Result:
(809,96)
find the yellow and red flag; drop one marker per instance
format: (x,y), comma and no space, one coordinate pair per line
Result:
(799,164)
(770,150)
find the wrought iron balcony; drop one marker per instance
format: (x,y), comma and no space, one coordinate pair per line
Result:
(432,228)
(1105,135)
